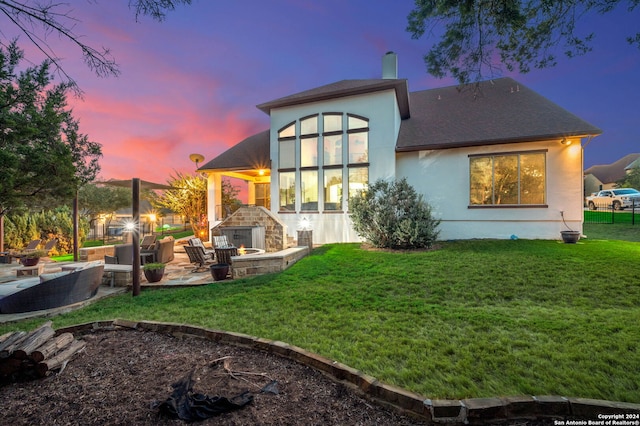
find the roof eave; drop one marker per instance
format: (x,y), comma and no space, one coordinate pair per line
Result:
(468,144)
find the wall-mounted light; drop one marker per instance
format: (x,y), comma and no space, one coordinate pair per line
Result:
(565,141)
(261,172)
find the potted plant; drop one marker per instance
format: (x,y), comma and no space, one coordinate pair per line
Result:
(153,272)
(570,236)
(32,258)
(219,271)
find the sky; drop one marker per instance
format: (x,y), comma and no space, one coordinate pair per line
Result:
(191,83)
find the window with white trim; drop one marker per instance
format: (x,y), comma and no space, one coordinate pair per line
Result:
(508,179)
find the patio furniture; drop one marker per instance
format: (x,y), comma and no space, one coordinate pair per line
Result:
(221,241)
(197,256)
(51,290)
(148,242)
(50,245)
(162,250)
(33,244)
(197,242)
(223,254)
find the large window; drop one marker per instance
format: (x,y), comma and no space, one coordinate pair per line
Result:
(309,190)
(288,191)
(358,180)
(318,156)
(333,189)
(508,179)
(287,147)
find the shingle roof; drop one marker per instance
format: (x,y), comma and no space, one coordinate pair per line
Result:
(250,153)
(494,112)
(499,111)
(342,89)
(609,173)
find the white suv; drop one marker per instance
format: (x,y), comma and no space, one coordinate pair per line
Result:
(620,198)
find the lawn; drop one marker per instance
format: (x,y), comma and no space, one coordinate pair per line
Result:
(471,319)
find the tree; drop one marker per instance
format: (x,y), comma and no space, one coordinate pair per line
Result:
(525,33)
(189,201)
(94,200)
(43,157)
(393,215)
(41,19)
(229,194)
(631,179)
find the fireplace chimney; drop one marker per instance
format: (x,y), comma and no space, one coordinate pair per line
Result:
(390,66)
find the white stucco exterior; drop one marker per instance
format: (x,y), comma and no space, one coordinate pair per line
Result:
(381,109)
(442,176)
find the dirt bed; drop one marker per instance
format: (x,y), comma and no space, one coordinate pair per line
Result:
(122,376)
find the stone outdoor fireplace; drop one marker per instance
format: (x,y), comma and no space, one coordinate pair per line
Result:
(251,223)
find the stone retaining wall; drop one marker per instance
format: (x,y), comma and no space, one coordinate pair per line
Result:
(474,411)
(88,254)
(266,263)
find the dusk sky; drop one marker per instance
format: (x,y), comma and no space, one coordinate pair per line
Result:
(190,84)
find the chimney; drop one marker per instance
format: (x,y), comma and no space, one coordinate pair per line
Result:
(390,65)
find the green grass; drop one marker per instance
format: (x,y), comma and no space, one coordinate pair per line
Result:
(617,231)
(473,319)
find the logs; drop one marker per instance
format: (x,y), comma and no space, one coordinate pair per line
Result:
(25,356)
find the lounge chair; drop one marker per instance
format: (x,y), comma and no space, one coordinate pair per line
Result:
(148,242)
(32,246)
(197,256)
(50,245)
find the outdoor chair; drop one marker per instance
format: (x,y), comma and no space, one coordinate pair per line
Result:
(221,241)
(50,245)
(197,242)
(148,242)
(33,245)
(197,256)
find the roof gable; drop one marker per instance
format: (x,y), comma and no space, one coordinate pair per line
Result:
(609,173)
(342,89)
(493,112)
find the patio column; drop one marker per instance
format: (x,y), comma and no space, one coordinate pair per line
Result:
(251,192)
(214,198)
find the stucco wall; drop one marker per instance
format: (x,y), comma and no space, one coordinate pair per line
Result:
(443,177)
(378,108)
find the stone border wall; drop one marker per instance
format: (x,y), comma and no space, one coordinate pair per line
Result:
(89,254)
(275,231)
(257,264)
(475,411)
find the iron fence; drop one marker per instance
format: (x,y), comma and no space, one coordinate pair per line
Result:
(607,214)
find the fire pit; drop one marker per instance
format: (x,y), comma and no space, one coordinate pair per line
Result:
(242,251)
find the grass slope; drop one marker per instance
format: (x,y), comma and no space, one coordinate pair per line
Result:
(473,319)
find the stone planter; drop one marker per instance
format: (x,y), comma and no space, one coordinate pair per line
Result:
(153,275)
(220,271)
(570,237)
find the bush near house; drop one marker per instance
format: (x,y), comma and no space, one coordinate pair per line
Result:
(393,215)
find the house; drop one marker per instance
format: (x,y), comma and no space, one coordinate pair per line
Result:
(493,160)
(605,176)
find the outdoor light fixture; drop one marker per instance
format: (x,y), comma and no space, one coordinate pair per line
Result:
(565,141)
(261,172)
(196,158)
(129,226)
(304,224)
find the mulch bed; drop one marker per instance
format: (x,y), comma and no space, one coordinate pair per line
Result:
(122,376)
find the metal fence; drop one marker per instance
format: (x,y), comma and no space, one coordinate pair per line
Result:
(606,213)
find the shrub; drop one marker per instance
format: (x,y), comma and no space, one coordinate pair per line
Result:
(393,215)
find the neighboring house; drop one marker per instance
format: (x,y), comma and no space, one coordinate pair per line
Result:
(605,176)
(493,160)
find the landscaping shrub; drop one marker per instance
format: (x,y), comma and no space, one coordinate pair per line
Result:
(47,224)
(393,215)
